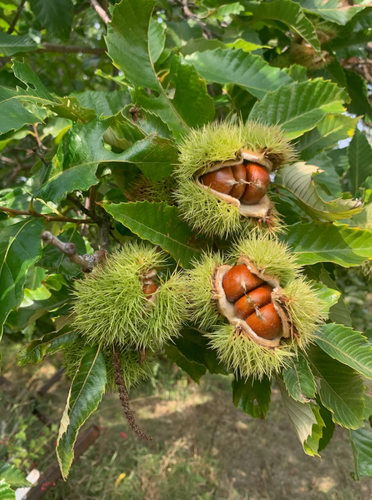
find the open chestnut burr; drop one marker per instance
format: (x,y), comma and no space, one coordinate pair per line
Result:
(250,300)
(223,177)
(255,306)
(242,183)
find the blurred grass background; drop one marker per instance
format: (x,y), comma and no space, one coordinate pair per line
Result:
(203,448)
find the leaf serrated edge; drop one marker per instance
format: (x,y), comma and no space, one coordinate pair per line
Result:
(65,420)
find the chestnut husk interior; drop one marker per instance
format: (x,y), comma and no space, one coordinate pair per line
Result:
(261,209)
(150,275)
(226,308)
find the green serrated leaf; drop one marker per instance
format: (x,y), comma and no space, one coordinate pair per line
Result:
(69,108)
(302,418)
(298,180)
(252,396)
(329,131)
(82,150)
(352,39)
(299,107)
(201,45)
(6,493)
(289,13)
(328,180)
(37,93)
(329,426)
(158,223)
(358,91)
(311,445)
(12,44)
(341,388)
(27,314)
(152,123)
(224,12)
(364,219)
(13,476)
(360,160)
(191,98)
(182,31)
(299,379)
(163,108)
(339,312)
(35,90)
(328,296)
(325,242)
(331,10)
(55,16)
(236,66)
(347,346)
(104,103)
(13,115)
(87,389)
(361,442)
(129,50)
(36,350)
(240,43)
(156,39)
(297,73)
(20,248)
(123,132)
(195,370)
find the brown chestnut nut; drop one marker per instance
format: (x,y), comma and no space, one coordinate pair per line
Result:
(221,180)
(239,281)
(259,179)
(240,176)
(149,287)
(247,304)
(266,322)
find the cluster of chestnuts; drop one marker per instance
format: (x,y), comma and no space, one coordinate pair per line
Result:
(247,181)
(252,299)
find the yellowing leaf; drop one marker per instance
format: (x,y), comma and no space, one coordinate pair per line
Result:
(298,179)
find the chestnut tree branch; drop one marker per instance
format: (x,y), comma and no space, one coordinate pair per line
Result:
(123,394)
(105,232)
(92,198)
(16,17)
(38,140)
(46,217)
(100,11)
(85,210)
(86,262)
(70,49)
